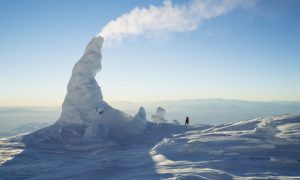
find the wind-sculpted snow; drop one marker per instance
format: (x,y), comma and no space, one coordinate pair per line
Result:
(262,148)
(259,148)
(105,160)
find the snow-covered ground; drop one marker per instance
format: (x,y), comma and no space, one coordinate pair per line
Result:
(93,140)
(256,149)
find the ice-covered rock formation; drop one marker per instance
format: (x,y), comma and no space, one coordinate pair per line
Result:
(85,115)
(159,116)
(140,119)
(84,99)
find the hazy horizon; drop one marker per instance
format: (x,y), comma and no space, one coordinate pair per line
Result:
(203,111)
(155,101)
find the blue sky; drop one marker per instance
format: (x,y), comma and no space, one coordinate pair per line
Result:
(250,54)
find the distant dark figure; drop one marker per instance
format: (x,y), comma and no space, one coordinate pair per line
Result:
(187,120)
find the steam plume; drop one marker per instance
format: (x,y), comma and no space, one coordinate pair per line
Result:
(167,18)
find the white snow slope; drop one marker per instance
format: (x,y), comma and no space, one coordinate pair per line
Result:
(262,148)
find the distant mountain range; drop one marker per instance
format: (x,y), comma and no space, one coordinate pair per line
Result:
(24,128)
(214,111)
(204,111)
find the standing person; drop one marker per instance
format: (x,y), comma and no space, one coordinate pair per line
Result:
(187,119)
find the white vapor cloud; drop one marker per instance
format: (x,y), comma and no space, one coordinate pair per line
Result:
(167,18)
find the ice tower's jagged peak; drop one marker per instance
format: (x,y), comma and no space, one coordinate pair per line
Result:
(141,114)
(84,98)
(140,118)
(88,65)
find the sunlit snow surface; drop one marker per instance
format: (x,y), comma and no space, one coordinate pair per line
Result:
(262,148)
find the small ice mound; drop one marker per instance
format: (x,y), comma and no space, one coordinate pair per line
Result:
(266,128)
(159,116)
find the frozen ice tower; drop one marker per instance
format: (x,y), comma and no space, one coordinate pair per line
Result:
(159,116)
(85,116)
(140,119)
(84,100)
